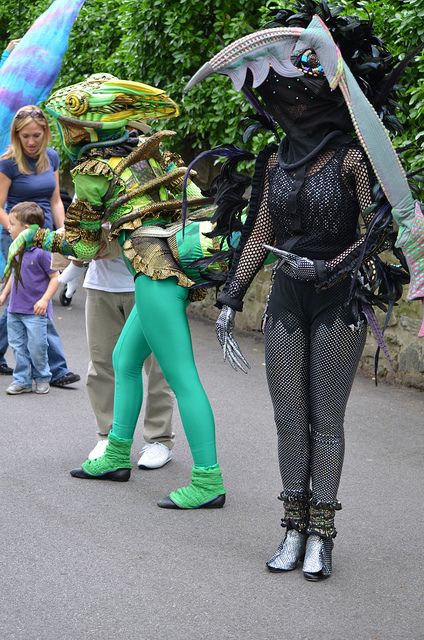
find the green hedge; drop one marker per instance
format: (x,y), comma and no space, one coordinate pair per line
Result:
(164,43)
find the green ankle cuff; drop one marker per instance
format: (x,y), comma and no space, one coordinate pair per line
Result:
(116,456)
(214,467)
(206,484)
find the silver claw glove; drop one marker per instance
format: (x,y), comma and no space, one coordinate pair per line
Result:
(296,266)
(224,332)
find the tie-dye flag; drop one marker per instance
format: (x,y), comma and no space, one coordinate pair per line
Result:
(31,70)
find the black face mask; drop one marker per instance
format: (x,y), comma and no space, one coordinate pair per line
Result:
(312,116)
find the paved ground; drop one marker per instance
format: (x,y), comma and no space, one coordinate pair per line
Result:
(91,560)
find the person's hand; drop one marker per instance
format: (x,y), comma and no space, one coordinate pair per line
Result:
(294,265)
(3,298)
(224,332)
(72,272)
(12,44)
(40,307)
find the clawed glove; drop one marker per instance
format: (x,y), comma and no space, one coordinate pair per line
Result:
(224,332)
(299,267)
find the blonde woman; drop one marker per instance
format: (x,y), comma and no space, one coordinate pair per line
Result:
(29,172)
(30,168)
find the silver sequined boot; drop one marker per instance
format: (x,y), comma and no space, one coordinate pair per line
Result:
(292,547)
(321,532)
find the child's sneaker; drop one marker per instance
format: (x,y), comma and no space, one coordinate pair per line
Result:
(41,387)
(14,389)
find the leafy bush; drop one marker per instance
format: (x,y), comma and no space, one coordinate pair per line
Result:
(164,43)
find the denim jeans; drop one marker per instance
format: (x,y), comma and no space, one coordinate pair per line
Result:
(57,362)
(3,336)
(55,353)
(2,260)
(5,241)
(28,339)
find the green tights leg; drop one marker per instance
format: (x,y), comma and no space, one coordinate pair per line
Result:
(159,323)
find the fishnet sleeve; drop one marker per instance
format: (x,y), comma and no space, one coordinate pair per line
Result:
(257,231)
(358,174)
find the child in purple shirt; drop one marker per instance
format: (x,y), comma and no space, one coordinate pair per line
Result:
(29,307)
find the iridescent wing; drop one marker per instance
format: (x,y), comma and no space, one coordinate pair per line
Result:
(31,70)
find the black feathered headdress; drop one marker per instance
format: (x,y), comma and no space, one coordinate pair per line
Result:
(369,61)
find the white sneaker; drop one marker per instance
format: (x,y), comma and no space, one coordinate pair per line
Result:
(41,387)
(154,456)
(14,389)
(98,450)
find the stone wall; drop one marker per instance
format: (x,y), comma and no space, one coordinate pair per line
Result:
(407,351)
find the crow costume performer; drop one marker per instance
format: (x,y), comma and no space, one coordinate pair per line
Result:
(128,182)
(307,195)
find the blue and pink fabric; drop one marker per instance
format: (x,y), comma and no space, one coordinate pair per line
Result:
(32,68)
(28,74)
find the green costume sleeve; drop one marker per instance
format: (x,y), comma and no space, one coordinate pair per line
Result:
(34,236)
(81,236)
(84,217)
(90,188)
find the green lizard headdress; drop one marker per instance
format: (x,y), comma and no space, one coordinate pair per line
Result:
(99,108)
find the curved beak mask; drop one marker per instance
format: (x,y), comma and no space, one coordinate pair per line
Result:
(100,107)
(278,48)
(274,48)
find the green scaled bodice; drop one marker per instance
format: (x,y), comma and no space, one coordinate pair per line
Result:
(139,191)
(142,194)
(143,187)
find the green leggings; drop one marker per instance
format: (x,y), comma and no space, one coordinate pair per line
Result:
(158,323)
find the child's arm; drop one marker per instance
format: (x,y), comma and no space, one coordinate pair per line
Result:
(40,307)
(5,291)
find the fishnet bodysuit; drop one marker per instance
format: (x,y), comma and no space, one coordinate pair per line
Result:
(322,222)
(312,341)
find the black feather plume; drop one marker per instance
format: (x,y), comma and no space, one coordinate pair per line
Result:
(393,78)
(365,53)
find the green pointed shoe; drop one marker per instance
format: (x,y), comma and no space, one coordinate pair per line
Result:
(206,491)
(114,464)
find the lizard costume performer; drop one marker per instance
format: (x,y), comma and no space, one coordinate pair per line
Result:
(129,183)
(307,194)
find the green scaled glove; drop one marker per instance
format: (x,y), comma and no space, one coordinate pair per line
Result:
(16,251)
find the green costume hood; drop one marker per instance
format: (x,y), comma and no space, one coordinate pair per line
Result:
(99,108)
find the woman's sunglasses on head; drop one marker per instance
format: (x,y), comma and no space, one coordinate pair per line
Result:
(33,113)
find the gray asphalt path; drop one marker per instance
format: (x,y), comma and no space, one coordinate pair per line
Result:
(98,560)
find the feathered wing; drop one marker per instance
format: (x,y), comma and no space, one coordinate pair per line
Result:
(33,66)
